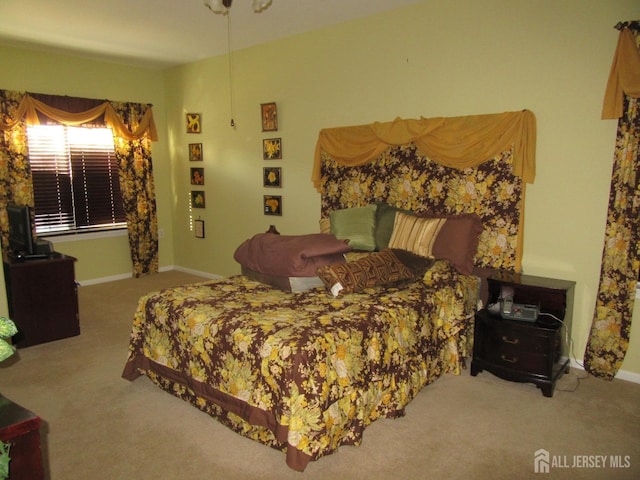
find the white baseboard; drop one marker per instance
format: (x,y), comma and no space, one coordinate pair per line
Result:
(621,375)
(212,276)
(123,276)
(95,281)
(628,376)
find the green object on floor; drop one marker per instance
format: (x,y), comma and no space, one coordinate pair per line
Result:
(4,460)
(7,330)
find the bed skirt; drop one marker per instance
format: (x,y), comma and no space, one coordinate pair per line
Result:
(262,426)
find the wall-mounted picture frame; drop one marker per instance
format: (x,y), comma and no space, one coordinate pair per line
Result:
(197,176)
(269,114)
(195,152)
(197,199)
(194,123)
(272,205)
(272,177)
(271,148)
(198,227)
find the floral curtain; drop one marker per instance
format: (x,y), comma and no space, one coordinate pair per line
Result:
(15,175)
(133,128)
(138,191)
(611,326)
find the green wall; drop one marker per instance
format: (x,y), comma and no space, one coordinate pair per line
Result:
(435,58)
(431,59)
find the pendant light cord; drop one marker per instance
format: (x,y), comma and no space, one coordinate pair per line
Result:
(230,57)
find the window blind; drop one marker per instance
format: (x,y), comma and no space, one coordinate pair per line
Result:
(75,179)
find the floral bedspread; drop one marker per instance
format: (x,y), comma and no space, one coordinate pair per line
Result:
(303,372)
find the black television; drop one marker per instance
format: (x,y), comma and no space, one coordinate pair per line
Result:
(21,242)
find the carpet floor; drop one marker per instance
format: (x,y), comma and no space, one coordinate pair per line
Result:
(97,425)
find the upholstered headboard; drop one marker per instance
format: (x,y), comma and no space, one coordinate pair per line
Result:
(402,176)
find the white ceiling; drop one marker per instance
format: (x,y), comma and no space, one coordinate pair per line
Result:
(164,33)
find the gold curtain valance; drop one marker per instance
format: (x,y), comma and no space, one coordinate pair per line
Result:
(29,107)
(456,142)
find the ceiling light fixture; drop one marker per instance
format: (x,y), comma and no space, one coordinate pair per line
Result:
(222,6)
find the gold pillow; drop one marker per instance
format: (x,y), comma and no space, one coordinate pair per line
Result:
(325,225)
(415,234)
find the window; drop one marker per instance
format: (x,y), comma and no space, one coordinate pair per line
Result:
(75,179)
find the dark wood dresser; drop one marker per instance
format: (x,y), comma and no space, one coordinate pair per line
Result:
(43,298)
(526,351)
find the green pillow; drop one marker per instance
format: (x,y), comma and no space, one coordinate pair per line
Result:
(385,217)
(357,225)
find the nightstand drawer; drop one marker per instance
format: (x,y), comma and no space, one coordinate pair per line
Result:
(517,360)
(497,334)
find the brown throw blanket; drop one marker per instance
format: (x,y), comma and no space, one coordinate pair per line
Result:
(290,255)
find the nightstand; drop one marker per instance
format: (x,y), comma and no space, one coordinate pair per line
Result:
(21,429)
(523,351)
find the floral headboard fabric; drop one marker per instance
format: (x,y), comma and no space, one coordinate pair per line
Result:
(403,177)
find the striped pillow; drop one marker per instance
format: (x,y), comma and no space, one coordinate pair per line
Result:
(415,234)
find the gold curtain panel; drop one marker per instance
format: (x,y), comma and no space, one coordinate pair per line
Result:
(624,76)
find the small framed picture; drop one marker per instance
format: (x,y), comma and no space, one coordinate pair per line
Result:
(272,177)
(269,117)
(272,148)
(194,123)
(197,199)
(197,176)
(272,205)
(198,227)
(195,152)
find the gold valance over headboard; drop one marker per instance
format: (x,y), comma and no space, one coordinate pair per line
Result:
(457,142)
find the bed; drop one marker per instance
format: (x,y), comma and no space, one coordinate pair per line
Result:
(305,371)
